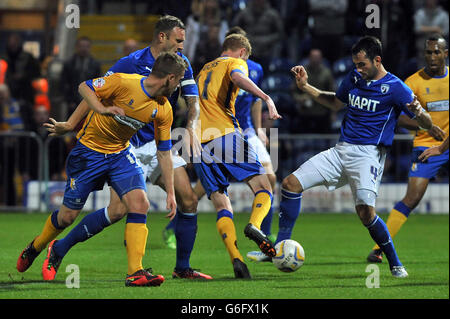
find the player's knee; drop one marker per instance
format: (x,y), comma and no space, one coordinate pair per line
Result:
(189,202)
(291,184)
(139,205)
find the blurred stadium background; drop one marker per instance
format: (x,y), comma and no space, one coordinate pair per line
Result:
(46,45)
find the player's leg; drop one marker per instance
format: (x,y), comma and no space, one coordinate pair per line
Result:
(400,212)
(266,225)
(136,233)
(199,190)
(92,224)
(225,227)
(378,230)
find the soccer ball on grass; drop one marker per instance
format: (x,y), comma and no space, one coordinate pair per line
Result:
(290,255)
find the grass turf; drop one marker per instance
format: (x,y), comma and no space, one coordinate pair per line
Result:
(336,246)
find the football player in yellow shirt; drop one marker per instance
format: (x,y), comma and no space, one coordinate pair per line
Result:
(226,153)
(120,105)
(430,85)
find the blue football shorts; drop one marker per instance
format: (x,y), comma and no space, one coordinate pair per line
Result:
(88,170)
(226,158)
(430,167)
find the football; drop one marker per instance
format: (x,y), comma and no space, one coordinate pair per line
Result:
(290,255)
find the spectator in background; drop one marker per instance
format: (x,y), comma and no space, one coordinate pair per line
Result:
(23,68)
(129,46)
(429,19)
(209,48)
(80,67)
(10,120)
(264,28)
(314,118)
(205,13)
(327,23)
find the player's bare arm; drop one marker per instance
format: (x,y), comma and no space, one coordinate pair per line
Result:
(423,117)
(435,150)
(165,161)
(193,107)
(256,119)
(95,104)
(244,83)
(410,124)
(325,98)
(56,128)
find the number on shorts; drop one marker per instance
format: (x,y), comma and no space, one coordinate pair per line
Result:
(374,172)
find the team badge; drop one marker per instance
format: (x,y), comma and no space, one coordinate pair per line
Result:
(154,113)
(98,83)
(384,88)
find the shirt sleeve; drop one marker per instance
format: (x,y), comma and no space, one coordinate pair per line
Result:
(105,87)
(163,124)
(344,88)
(188,85)
(403,95)
(238,65)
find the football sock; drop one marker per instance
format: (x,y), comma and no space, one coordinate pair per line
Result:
(90,225)
(227,231)
(380,234)
(172,224)
(266,224)
(289,210)
(260,208)
(135,240)
(50,231)
(185,232)
(397,217)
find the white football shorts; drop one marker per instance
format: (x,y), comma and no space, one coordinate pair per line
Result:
(260,149)
(360,166)
(147,159)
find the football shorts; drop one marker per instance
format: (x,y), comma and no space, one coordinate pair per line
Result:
(430,167)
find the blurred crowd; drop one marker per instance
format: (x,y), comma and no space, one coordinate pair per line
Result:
(315,33)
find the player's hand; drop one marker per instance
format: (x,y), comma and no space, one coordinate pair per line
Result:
(56,128)
(437,133)
(432,151)
(415,106)
(301,76)
(113,110)
(262,136)
(171,206)
(191,141)
(273,113)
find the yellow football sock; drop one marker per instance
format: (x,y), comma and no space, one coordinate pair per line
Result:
(394,222)
(227,231)
(48,233)
(135,240)
(260,208)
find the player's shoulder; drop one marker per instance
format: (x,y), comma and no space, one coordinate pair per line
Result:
(128,76)
(252,65)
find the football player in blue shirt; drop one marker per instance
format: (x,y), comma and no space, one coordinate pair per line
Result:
(169,35)
(374,99)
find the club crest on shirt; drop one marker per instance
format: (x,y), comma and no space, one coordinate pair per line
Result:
(98,83)
(154,113)
(384,88)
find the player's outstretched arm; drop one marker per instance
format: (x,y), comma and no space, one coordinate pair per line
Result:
(243,82)
(60,128)
(422,116)
(410,124)
(325,98)
(165,161)
(95,104)
(435,150)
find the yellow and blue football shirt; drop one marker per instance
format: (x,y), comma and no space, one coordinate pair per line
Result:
(111,134)
(217,97)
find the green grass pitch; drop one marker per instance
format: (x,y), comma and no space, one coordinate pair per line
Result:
(336,246)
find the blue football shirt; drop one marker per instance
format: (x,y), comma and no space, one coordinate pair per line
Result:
(373,108)
(141,62)
(245,100)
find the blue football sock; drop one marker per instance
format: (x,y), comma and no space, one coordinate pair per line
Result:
(185,233)
(266,224)
(289,210)
(90,225)
(380,234)
(172,224)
